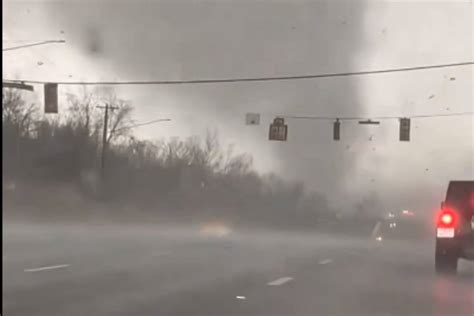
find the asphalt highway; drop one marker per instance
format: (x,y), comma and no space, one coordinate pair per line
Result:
(150,270)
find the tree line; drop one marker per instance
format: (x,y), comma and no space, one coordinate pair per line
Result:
(174,179)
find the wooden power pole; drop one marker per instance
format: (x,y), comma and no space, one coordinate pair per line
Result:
(104,140)
(107,107)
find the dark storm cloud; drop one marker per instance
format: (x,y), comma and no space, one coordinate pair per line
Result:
(205,39)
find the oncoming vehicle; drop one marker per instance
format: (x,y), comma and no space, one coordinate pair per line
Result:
(455,227)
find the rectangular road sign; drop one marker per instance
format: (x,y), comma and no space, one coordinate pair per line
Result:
(252,119)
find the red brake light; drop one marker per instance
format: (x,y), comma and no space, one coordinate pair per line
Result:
(447,218)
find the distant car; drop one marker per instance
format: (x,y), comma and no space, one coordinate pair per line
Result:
(455,227)
(404,227)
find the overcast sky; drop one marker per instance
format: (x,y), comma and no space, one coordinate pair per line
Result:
(172,40)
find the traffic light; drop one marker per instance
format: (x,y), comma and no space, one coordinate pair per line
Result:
(51,98)
(278,130)
(404,129)
(337,130)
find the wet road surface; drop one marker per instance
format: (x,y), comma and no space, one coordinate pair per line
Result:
(133,270)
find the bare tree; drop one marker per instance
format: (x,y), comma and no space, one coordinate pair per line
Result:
(239,165)
(17,119)
(17,114)
(213,151)
(83,114)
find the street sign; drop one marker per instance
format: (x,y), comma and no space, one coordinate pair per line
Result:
(51,98)
(252,119)
(278,130)
(404,129)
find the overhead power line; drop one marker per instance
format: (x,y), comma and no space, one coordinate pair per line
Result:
(357,118)
(34,44)
(141,124)
(25,40)
(252,79)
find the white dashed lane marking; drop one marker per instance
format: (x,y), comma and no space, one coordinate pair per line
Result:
(325,261)
(280,281)
(59,266)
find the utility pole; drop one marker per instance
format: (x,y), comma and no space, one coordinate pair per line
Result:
(104,137)
(104,140)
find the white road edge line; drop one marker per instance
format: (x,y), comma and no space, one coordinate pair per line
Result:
(325,261)
(280,281)
(59,266)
